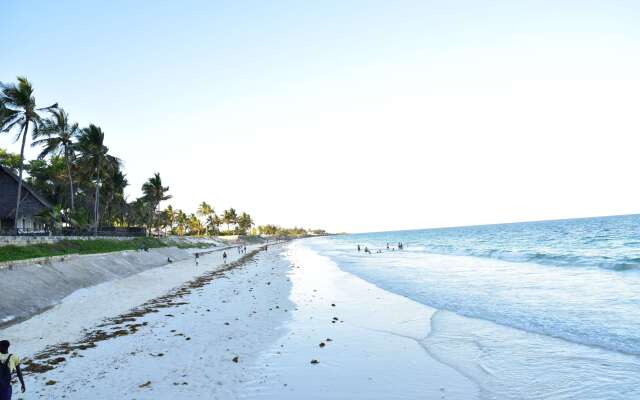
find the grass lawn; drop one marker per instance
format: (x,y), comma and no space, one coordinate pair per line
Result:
(13,253)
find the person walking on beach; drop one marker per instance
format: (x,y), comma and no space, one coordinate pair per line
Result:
(224,256)
(9,363)
(197,257)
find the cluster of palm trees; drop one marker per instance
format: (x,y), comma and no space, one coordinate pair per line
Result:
(75,158)
(205,221)
(76,172)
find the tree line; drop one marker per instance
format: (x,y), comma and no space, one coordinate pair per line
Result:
(85,182)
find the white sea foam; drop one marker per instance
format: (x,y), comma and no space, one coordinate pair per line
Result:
(522,330)
(591,306)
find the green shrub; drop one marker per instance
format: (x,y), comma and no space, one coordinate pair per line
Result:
(64,247)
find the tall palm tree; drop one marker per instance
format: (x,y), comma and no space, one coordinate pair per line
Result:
(230,217)
(217,221)
(59,136)
(155,193)
(18,110)
(212,223)
(195,226)
(206,211)
(245,222)
(95,159)
(114,183)
(181,220)
(171,217)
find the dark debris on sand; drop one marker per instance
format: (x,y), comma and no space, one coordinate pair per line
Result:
(51,356)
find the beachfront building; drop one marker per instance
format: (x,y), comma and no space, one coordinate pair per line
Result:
(31,204)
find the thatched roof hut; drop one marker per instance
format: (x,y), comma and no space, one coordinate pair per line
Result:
(31,203)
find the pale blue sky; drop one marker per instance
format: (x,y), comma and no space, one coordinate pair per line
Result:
(351,115)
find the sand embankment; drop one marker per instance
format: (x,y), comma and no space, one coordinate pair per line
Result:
(27,288)
(195,340)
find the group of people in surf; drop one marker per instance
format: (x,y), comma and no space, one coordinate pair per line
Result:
(400,246)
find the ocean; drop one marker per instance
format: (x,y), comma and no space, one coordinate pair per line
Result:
(536,310)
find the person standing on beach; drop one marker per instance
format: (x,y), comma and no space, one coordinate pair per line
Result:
(197,257)
(224,256)
(9,363)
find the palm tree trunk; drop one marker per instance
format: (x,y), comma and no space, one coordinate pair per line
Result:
(97,203)
(24,140)
(66,157)
(153,219)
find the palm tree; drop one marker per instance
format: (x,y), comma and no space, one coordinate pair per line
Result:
(181,220)
(114,183)
(155,193)
(229,217)
(59,141)
(18,109)
(212,223)
(206,211)
(171,217)
(194,224)
(245,222)
(138,212)
(217,221)
(95,159)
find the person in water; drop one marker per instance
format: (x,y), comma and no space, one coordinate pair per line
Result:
(9,363)
(358,247)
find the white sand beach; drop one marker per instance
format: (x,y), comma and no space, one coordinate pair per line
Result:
(248,333)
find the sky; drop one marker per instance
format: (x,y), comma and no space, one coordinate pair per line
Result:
(350,115)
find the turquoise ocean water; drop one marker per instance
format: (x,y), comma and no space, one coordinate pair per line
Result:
(549,310)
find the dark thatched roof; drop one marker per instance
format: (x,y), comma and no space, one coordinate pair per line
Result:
(8,193)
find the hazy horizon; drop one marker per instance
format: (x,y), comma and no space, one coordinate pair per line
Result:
(353,117)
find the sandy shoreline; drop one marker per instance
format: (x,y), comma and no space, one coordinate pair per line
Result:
(375,351)
(272,312)
(86,307)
